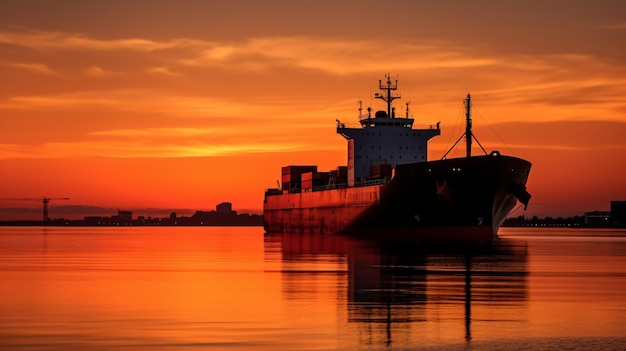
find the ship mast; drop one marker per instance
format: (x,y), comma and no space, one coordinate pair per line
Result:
(468,131)
(468,126)
(388,97)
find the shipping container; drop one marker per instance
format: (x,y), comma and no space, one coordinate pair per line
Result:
(322,176)
(339,175)
(298,169)
(381,171)
(308,176)
(342,171)
(307,185)
(286,178)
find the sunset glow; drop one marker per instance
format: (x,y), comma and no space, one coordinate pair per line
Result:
(183,105)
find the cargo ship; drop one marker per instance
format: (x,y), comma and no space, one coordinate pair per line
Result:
(388,187)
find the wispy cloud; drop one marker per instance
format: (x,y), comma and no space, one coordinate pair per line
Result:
(33,67)
(169,132)
(37,40)
(334,56)
(74,100)
(337,56)
(615,26)
(133,149)
(98,72)
(178,98)
(162,70)
(17,151)
(220,111)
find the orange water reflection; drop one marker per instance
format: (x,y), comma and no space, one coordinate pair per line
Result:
(391,295)
(236,288)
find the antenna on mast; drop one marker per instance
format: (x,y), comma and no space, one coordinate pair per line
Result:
(388,97)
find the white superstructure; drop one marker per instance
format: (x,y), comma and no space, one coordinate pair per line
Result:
(384,139)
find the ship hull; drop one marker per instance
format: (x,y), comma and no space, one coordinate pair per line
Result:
(447,200)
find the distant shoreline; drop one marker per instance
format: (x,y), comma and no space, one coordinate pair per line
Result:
(199,219)
(72,224)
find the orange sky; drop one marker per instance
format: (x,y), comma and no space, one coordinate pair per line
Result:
(185,104)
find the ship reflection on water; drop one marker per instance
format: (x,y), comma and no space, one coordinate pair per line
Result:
(394,291)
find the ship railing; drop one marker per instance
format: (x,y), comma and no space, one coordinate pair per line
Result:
(372,182)
(329,187)
(275,191)
(356,184)
(348,125)
(360,126)
(366,117)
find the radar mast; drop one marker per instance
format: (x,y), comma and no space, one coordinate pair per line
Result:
(388,97)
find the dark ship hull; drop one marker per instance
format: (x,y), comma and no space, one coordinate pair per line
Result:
(447,200)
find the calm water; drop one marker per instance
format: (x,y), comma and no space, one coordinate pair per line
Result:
(204,288)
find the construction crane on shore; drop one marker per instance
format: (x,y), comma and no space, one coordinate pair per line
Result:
(45,206)
(45,201)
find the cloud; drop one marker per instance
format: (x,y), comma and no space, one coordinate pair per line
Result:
(33,67)
(338,56)
(188,97)
(615,26)
(15,151)
(133,149)
(38,40)
(170,142)
(162,70)
(169,132)
(96,71)
(71,100)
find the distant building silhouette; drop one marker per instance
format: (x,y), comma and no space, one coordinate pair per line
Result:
(618,212)
(598,218)
(125,215)
(93,220)
(225,208)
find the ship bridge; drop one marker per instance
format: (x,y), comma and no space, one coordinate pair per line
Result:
(383,139)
